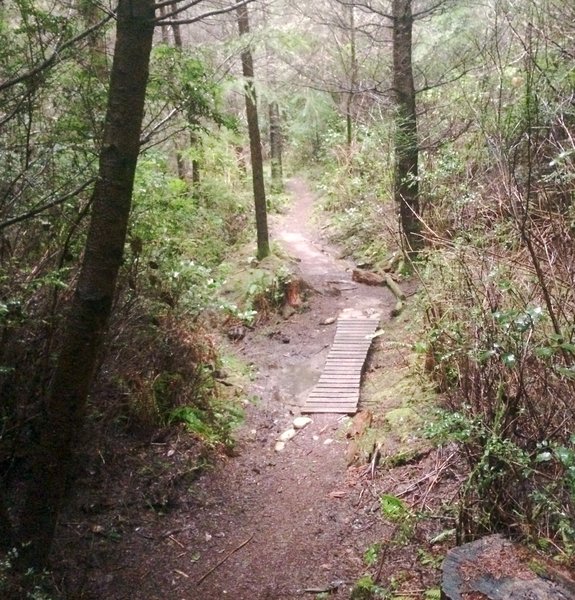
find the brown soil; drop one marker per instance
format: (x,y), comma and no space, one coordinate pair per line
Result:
(263,524)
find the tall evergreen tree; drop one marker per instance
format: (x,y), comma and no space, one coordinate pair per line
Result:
(255,138)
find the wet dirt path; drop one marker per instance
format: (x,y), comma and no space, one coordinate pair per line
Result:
(269,525)
(296,504)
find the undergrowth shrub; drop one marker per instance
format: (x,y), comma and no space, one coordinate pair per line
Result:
(508,377)
(501,303)
(357,188)
(159,358)
(161,361)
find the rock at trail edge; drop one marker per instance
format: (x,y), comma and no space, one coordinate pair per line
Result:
(287,435)
(494,568)
(301,422)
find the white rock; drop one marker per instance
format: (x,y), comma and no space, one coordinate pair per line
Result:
(328,442)
(287,435)
(315,438)
(301,422)
(328,321)
(280,446)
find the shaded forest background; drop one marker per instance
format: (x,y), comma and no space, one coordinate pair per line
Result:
(450,159)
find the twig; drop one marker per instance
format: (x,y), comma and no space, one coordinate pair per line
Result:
(223,560)
(320,350)
(375,458)
(435,473)
(172,532)
(182,573)
(171,537)
(438,474)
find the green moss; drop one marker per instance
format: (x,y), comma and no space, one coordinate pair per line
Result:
(404,422)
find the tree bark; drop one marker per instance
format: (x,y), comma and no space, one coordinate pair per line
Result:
(276,147)
(6,529)
(406,186)
(91,15)
(352,76)
(255,139)
(91,307)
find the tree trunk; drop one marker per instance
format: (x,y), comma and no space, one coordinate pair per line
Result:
(276,147)
(176,29)
(6,530)
(164,28)
(255,140)
(406,187)
(352,77)
(91,307)
(91,13)
(196,173)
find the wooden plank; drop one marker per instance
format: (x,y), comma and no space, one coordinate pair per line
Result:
(338,382)
(333,401)
(345,410)
(336,385)
(344,361)
(342,394)
(350,394)
(339,378)
(351,346)
(352,352)
(337,390)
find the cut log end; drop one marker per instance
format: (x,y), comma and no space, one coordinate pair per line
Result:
(493,568)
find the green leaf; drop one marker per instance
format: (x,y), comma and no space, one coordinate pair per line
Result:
(371,555)
(544,352)
(392,507)
(543,457)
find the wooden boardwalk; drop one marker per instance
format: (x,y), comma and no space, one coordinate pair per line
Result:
(337,390)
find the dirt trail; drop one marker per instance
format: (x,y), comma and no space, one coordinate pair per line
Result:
(290,521)
(304,535)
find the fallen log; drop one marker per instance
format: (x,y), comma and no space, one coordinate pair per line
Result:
(397,309)
(396,290)
(367,277)
(370,278)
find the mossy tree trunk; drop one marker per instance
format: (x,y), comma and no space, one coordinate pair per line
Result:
(255,138)
(406,186)
(92,303)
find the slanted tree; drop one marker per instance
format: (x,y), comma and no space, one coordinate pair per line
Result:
(85,324)
(254,135)
(92,304)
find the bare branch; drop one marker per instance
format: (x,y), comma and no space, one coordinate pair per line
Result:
(177,10)
(157,126)
(431,10)
(213,13)
(36,211)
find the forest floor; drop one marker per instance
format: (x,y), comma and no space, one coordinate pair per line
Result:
(305,522)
